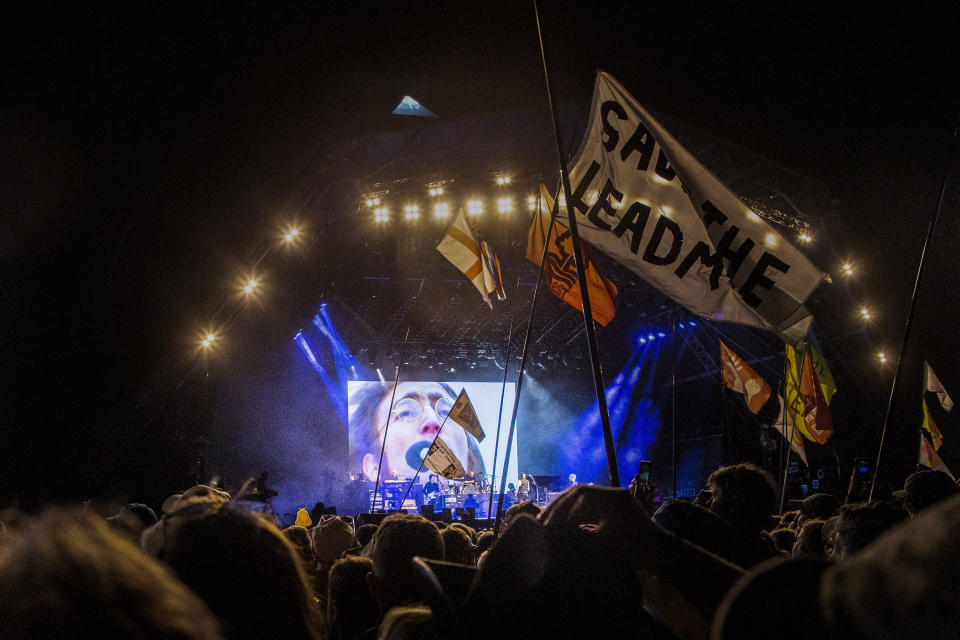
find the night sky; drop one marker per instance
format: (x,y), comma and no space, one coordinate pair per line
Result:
(147,147)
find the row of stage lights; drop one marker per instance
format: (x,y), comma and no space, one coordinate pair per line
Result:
(654,335)
(250,285)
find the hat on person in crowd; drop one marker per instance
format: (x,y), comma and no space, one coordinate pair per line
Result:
(819,505)
(906,584)
(924,488)
(303,518)
(195,494)
(331,537)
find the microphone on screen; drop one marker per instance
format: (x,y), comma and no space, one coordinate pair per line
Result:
(416,453)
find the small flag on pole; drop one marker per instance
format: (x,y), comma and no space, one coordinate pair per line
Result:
(932,384)
(461,248)
(440,459)
(560,269)
(464,415)
(741,377)
(929,458)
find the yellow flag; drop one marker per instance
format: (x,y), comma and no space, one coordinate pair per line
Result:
(931,427)
(820,367)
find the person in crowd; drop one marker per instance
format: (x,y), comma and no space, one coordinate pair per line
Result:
(925,488)
(132,520)
(818,506)
(783,539)
(408,623)
(64,575)
(351,609)
(393,581)
(418,410)
(860,524)
(243,568)
(457,546)
(744,495)
(365,534)
(525,507)
(331,537)
(700,526)
(810,540)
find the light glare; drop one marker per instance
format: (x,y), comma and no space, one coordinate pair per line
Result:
(865,313)
(847,269)
(475,207)
(505,205)
(411,212)
(381,214)
(441,211)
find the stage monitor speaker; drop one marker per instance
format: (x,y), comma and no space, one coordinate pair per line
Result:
(426,510)
(446,515)
(370,518)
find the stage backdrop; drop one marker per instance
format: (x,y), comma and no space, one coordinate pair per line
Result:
(418,411)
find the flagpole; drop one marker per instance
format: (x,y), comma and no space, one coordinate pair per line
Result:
(789,446)
(503,388)
(393,394)
(891,403)
(523,360)
(673,400)
(581,274)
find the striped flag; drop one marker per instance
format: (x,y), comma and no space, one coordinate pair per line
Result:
(475,259)
(932,384)
(930,459)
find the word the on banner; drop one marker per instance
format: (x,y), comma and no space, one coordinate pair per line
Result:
(647,202)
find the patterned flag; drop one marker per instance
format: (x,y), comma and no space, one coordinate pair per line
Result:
(464,415)
(932,384)
(786,428)
(930,459)
(931,427)
(740,377)
(461,248)
(817,424)
(560,269)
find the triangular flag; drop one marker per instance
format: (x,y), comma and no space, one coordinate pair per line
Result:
(817,422)
(786,428)
(740,377)
(929,458)
(932,384)
(820,367)
(411,107)
(560,269)
(463,251)
(492,278)
(931,427)
(464,415)
(440,459)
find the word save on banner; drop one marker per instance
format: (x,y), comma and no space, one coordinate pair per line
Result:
(644,200)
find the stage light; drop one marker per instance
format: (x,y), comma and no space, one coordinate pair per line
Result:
(503,180)
(661,334)
(693,323)
(865,313)
(208,340)
(847,269)
(435,191)
(381,214)
(441,211)
(532,203)
(651,337)
(373,202)
(250,286)
(411,212)
(291,235)
(452,370)
(474,207)
(805,238)
(882,357)
(643,341)
(505,206)
(682,326)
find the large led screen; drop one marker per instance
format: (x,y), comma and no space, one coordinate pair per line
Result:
(416,415)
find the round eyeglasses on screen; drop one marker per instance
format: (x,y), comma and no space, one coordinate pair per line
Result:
(409,409)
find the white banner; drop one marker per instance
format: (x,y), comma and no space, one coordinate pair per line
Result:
(645,201)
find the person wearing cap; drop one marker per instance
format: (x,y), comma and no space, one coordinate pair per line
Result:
(924,488)
(818,506)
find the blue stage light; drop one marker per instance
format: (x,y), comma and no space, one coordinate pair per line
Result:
(651,337)
(643,341)
(692,323)
(682,326)
(662,334)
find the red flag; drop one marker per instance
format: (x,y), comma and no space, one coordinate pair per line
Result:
(817,422)
(740,377)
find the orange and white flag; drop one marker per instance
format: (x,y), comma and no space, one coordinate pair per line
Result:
(741,377)
(473,258)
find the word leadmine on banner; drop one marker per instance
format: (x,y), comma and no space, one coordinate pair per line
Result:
(644,200)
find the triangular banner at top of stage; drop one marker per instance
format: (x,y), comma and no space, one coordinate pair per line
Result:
(643,199)
(411,107)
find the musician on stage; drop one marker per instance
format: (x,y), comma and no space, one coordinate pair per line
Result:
(433,494)
(523,490)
